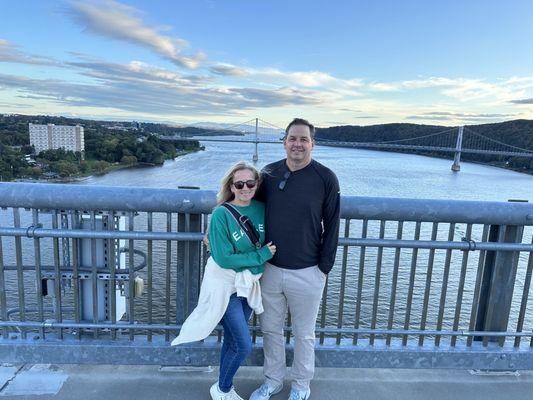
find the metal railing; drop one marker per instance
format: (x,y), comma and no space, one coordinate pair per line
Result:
(417,283)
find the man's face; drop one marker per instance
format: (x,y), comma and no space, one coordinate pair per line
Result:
(298,144)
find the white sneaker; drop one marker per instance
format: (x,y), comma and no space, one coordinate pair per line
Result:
(217,394)
(299,394)
(265,391)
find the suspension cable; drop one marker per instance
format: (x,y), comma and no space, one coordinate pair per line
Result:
(497,141)
(415,138)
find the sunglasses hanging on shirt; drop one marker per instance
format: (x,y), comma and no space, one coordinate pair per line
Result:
(283,183)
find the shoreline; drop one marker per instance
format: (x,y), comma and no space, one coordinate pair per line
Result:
(111,168)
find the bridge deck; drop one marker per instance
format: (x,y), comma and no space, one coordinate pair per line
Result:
(370,145)
(66,382)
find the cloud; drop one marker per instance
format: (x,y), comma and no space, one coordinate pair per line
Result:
(228,70)
(141,88)
(459,116)
(462,89)
(308,79)
(10,53)
(522,101)
(12,105)
(278,97)
(305,79)
(135,71)
(117,21)
(384,87)
(468,115)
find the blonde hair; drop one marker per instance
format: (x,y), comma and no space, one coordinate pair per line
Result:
(225,194)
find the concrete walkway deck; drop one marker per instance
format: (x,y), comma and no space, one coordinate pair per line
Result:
(103,382)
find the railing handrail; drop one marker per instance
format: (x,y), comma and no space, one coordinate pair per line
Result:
(93,198)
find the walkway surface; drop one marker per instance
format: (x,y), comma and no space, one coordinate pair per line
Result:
(105,382)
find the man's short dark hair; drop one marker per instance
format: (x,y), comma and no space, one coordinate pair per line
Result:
(301,121)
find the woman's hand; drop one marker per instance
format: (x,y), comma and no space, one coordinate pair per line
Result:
(206,242)
(271,247)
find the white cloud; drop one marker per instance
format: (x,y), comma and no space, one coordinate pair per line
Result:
(114,20)
(306,79)
(9,52)
(228,70)
(309,79)
(134,71)
(461,117)
(139,87)
(463,89)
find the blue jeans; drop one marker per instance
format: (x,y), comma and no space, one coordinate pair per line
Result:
(237,343)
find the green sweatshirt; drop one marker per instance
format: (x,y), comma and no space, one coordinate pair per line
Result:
(230,247)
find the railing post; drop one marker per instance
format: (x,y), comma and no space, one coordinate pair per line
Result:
(188,273)
(498,280)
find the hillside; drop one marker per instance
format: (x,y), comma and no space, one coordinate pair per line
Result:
(108,145)
(518,133)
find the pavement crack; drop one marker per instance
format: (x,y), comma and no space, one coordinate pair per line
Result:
(13,377)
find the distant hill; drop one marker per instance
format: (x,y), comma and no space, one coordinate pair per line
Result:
(250,128)
(14,127)
(517,133)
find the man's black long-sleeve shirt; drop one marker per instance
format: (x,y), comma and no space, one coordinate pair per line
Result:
(302,220)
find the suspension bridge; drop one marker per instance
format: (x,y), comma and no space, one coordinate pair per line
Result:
(455,140)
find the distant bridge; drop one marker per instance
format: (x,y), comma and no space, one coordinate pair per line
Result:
(450,140)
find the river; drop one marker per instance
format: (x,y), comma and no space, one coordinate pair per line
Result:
(360,173)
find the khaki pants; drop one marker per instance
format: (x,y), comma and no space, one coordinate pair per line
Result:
(300,290)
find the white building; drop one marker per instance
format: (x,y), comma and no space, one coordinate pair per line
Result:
(47,137)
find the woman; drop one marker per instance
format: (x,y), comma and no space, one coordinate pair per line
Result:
(230,287)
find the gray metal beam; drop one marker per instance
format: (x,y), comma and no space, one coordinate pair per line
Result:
(159,352)
(77,197)
(93,198)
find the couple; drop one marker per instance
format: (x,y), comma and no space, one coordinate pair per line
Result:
(293,207)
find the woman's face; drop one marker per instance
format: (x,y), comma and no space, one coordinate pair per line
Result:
(243,177)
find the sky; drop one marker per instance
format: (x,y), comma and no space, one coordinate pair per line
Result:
(332,62)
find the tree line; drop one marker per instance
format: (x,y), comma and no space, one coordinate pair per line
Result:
(104,148)
(518,133)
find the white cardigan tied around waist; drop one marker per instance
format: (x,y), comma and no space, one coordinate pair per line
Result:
(217,286)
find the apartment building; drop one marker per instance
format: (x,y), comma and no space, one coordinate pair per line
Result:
(51,136)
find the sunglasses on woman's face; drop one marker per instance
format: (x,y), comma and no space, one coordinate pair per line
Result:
(250,184)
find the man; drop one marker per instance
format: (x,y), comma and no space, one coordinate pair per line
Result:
(302,219)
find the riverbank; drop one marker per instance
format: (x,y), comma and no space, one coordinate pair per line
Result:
(111,168)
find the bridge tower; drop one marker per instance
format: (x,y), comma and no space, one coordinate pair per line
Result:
(456,167)
(256,156)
